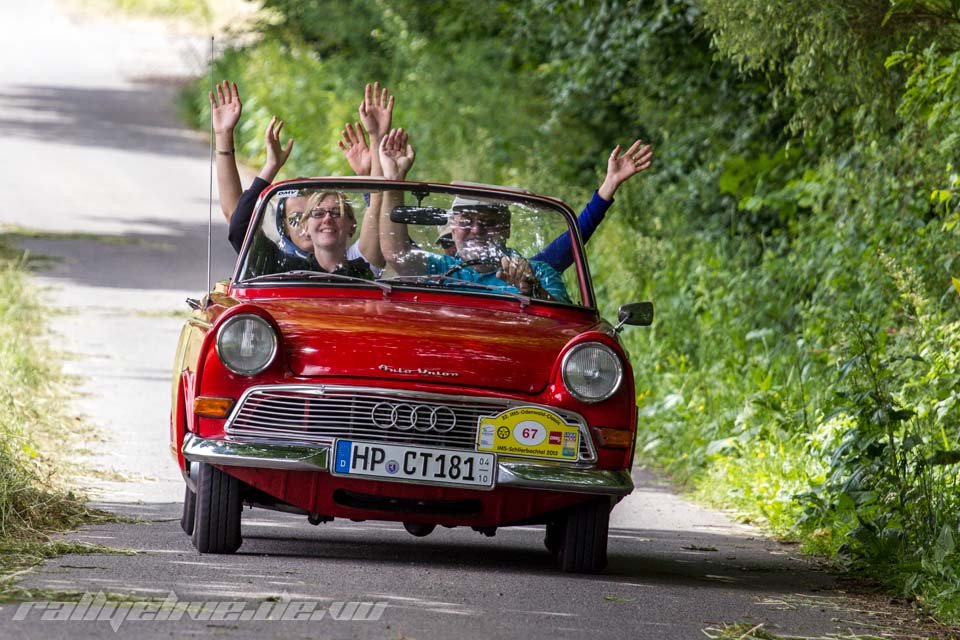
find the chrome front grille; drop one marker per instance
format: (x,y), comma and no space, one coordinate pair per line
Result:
(320,413)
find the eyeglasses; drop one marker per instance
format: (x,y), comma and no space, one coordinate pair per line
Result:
(320,214)
(484,224)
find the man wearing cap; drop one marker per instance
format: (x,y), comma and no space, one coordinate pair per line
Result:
(479,229)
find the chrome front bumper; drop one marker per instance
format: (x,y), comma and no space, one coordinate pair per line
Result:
(315,457)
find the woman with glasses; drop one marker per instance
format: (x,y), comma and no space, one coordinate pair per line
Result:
(329,222)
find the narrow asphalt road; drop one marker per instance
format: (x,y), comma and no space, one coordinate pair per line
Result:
(91,144)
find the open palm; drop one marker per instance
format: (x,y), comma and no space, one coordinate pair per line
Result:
(376,111)
(396,155)
(634,160)
(225,107)
(355,149)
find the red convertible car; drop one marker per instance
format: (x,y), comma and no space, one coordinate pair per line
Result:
(432,393)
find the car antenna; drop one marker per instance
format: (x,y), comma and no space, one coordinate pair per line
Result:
(210,197)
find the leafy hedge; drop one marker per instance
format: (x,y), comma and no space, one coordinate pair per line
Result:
(798,235)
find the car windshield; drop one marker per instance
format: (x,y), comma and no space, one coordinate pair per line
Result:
(467,241)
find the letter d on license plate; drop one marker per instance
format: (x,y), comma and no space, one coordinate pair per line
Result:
(413,464)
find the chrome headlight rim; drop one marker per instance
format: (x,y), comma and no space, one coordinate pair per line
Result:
(592,345)
(273,352)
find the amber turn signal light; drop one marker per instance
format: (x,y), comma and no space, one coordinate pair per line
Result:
(210,407)
(608,438)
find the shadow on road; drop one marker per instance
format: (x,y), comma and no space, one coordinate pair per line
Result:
(137,119)
(659,558)
(175,258)
(652,557)
(461,583)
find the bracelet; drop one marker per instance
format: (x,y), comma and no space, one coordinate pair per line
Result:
(225,153)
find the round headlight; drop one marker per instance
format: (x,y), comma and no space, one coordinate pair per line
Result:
(246,344)
(591,372)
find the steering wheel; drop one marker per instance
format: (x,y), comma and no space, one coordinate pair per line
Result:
(493,262)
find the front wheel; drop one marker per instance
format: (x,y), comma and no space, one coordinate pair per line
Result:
(216,527)
(188,515)
(582,537)
(553,537)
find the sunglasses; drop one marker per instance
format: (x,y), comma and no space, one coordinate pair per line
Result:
(293,219)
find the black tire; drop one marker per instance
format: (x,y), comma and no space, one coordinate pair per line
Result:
(553,537)
(583,545)
(188,515)
(419,529)
(219,503)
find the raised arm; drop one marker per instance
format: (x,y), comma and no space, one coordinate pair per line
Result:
(225,109)
(358,154)
(277,155)
(396,157)
(376,114)
(620,168)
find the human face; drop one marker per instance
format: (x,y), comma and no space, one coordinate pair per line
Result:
(328,226)
(295,223)
(480,234)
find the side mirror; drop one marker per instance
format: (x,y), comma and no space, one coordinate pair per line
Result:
(419,215)
(639,314)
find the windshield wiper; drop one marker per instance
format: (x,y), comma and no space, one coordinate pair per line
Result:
(442,282)
(315,275)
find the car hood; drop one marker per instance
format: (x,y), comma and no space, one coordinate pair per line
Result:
(438,343)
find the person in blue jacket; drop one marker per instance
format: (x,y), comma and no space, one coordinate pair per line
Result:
(620,168)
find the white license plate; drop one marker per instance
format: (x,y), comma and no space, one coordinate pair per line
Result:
(393,462)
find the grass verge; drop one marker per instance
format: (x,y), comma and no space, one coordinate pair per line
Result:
(13,233)
(36,433)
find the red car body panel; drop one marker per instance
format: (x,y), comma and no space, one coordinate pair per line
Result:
(414,341)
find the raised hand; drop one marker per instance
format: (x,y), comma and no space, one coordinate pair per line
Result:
(277,154)
(396,155)
(622,167)
(376,111)
(225,107)
(354,147)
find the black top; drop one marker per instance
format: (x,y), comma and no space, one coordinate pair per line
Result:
(240,219)
(357,268)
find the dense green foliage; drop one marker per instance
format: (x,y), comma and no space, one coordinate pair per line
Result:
(798,234)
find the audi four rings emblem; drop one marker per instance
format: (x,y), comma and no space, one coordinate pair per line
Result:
(421,417)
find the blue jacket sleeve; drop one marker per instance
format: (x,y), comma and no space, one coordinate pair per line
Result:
(559,253)
(240,219)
